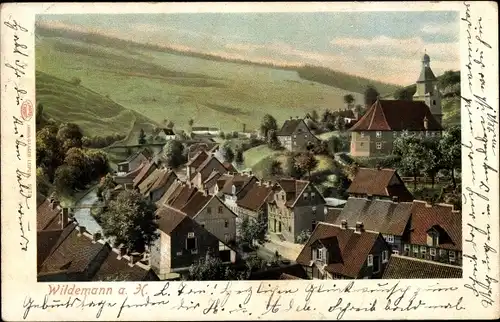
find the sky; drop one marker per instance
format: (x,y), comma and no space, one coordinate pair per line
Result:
(387,46)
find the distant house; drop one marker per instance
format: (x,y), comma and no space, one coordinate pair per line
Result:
(334,252)
(435,233)
(379,184)
(236,185)
(295,136)
(133,161)
(296,206)
(182,242)
(386,120)
(71,254)
(402,267)
(391,219)
(253,203)
(207,147)
(205,130)
(204,171)
(127,178)
(166,134)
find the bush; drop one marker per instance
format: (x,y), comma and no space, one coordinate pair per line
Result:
(76,81)
(303,237)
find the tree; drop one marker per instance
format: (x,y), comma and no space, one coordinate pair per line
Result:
(98,163)
(349,100)
(66,178)
(42,182)
(291,168)
(76,158)
(335,145)
(341,183)
(268,124)
(411,150)
(303,237)
(239,157)
(131,220)
(450,148)
(253,230)
(359,110)
(69,136)
(371,95)
(314,116)
(105,185)
(170,125)
(339,123)
(209,268)
(173,153)
(306,162)
(48,151)
(449,78)
(227,153)
(404,93)
(272,140)
(274,169)
(432,158)
(191,122)
(142,137)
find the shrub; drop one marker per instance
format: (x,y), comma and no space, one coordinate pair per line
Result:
(76,81)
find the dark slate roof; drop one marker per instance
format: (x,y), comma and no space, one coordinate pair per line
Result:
(332,214)
(46,213)
(181,196)
(238,180)
(198,159)
(397,115)
(424,217)
(73,253)
(377,182)
(196,204)
(116,268)
(166,196)
(348,250)
(206,164)
(169,219)
(426,74)
(163,177)
(146,185)
(256,197)
(384,216)
(289,127)
(144,171)
(402,267)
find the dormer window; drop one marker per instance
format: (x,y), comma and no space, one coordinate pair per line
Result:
(433,238)
(306,195)
(318,254)
(233,190)
(379,134)
(313,194)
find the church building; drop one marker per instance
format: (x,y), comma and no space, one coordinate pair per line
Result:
(386,120)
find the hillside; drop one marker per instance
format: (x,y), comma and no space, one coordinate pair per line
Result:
(164,84)
(94,113)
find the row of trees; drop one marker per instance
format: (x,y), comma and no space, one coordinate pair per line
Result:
(297,165)
(97,142)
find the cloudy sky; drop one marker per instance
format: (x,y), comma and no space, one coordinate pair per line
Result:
(387,46)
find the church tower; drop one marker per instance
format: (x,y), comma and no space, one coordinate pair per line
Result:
(427,90)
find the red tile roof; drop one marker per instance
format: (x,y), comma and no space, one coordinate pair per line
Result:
(424,217)
(348,252)
(169,219)
(377,182)
(198,159)
(144,171)
(181,196)
(115,269)
(256,197)
(397,115)
(403,267)
(238,180)
(46,213)
(196,204)
(46,241)
(163,178)
(132,174)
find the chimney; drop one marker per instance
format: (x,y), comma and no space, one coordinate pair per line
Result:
(54,204)
(96,237)
(344,224)
(395,198)
(64,217)
(359,227)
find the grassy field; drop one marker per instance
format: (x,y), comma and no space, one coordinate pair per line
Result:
(93,112)
(163,85)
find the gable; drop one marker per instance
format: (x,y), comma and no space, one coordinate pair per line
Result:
(214,205)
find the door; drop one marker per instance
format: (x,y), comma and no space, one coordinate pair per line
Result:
(279,227)
(274,229)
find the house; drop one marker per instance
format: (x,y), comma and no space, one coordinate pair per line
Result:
(403,267)
(156,184)
(205,130)
(194,163)
(211,183)
(148,168)
(203,172)
(208,147)
(212,214)
(72,254)
(181,243)
(127,179)
(235,186)
(133,161)
(295,136)
(380,184)
(296,206)
(166,134)
(391,219)
(386,120)
(253,203)
(435,233)
(334,252)
(181,195)
(168,194)
(50,215)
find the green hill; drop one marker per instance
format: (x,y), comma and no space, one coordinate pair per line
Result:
(161,83)
(94,113)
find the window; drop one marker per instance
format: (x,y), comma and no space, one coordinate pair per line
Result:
(423,249)
(395,252)
(226,237)
(319,254)
(209,210)
(433,102)
(370,260)
(313,209)
(379,145)
(226,223)
(233,190)
(362,134)
(179,253)
(190,235)
(306,195)
(376,264)
(379,134)
(432,251)
(452,256)
(415,249)
(305,136)
(282,197)
(313,194)
(220,209)
(191,243)
(295,136)
(385,256)
(289,229)
(407,247)
(390,238)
